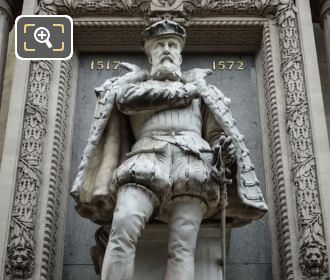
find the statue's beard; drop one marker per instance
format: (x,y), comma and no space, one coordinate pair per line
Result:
(166,71)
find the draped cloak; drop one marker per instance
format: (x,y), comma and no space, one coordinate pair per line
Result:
(111,138)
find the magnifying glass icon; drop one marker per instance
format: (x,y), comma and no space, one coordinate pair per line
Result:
(41,35)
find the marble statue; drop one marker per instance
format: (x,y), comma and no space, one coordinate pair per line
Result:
(153,152)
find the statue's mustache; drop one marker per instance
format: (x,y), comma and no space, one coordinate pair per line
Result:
(166,56)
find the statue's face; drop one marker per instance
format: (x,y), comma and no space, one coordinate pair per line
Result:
(165,57)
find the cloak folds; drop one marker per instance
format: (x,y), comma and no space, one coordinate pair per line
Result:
(110,139)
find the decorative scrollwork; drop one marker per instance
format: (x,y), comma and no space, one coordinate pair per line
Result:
(102,7)
(47,7)
(231,7)
(142,7)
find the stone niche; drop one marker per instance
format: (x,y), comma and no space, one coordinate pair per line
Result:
(248,253)
(276,100)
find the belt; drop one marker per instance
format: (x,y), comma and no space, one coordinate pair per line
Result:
(169,133)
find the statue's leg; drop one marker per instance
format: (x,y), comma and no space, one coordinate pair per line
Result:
(185,219)
(134,208)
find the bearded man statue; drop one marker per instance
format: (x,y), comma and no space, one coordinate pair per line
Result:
(151,154)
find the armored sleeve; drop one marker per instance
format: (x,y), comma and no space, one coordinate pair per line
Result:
(136,98)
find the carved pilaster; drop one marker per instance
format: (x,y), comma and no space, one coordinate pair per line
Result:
(313,257)
(21,244)
(20,252)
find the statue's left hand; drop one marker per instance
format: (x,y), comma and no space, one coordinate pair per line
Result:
(197,76)
(227,149)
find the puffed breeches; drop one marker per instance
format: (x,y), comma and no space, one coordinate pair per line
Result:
(168,173)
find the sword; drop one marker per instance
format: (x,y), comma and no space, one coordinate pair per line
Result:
(219,174)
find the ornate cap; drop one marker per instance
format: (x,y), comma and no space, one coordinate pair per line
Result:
(164,28)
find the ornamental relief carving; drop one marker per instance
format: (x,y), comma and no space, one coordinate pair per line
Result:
(142,7)
(46,7)
(103,7)
(21,246)
(312,246)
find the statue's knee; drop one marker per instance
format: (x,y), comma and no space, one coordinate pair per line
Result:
(126,223)
(187,224)
(183,239)
(123,236)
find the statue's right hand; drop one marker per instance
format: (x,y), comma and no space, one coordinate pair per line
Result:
(192,90)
